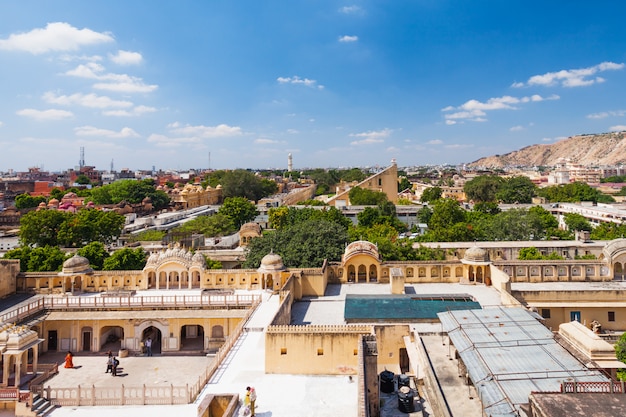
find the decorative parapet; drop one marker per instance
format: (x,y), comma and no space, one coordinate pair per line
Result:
(320,329)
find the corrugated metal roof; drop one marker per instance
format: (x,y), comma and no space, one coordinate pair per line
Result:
(509,353)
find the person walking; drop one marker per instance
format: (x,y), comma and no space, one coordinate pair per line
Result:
(148,347)
(114,368)
(110,363)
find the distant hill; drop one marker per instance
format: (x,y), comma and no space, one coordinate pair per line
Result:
(587,150)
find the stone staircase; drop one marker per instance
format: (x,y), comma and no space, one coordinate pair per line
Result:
(41,407)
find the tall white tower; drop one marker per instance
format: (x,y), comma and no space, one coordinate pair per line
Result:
(289,163)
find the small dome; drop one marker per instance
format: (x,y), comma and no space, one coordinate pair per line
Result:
(476,254)
(362,247)
(272,262)
(76,265)
(198,259)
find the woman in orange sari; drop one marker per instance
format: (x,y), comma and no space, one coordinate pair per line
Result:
(69,363)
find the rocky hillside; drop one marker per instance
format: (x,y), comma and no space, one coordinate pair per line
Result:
(588,150)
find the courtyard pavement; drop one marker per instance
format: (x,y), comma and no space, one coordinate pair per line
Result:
(278,395)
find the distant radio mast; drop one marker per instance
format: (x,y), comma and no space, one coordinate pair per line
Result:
(111,166)
(81,162)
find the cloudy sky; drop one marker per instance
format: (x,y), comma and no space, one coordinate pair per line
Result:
(243,83)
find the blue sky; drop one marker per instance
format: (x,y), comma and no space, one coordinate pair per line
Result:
(241,84)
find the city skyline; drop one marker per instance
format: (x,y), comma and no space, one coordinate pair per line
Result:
(227,85)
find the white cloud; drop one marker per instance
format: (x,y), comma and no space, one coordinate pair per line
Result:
(517,128)
(434,142)
(126,132)
(618,128)
(50,114)
(292,131)
(136,111)
(87,100)
(353,9)
(56,36)
(1,123)
(475,111)
(121,83)
(132,85)
(205,132)
(163,141)
(88,70)
(459,146)
(580,77)
(299,81)
(126,58)
(373,136)
(348,38)
(605,114)
(262,141)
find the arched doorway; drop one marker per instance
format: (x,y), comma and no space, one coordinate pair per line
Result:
(110,338)
(154,334)
(362,274)
(351,273)
(618,272)
(192,338)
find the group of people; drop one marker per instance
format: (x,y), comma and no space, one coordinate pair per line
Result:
(249,401)
(112,364)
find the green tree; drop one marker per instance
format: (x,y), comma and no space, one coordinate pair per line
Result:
(431,194)
(575,222)
(148,236)
(424,214)
(487,207)
(46,258)
(242,183)
(24,201)
(353,175)
(364,197)
(239,210)
(210,226)
(529,254)
(573,193)
(608,231)
(132,192)
(41,228)
(82,179)
(312,202)
(620,353)
(483,188)
(22,253)
(88,225)
(96,253)
(516,190)
(446,212)
(285,217)
(126,259)
(303,245)
(404,184)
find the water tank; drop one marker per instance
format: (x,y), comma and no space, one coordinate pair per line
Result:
(405,400)
(386,382)
(403,381)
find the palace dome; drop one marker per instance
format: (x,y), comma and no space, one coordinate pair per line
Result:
(476,254)
(272,262)
(76,265)
(360,247)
